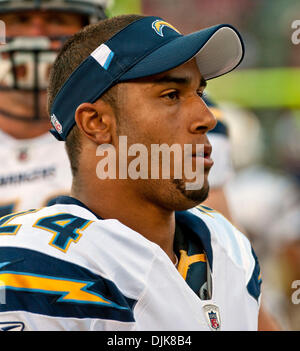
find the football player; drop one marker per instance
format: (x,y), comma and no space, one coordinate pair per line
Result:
(34,167)
(123,253)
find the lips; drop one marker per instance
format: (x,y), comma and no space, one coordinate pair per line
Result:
(205,153)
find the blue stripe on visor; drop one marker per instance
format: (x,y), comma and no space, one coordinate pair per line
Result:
(108,61)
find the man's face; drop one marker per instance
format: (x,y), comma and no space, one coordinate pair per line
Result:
(35,24)
(168,109)
(38,23)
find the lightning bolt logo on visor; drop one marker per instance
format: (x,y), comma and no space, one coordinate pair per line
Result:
(75,291)
(158,26)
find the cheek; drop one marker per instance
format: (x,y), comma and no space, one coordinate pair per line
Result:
(15,30)
(134,121)
(148,121)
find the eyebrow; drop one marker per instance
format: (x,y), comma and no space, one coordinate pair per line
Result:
(178,80)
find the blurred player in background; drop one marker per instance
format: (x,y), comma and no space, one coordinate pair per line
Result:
(222,170)
(219,177)
(34,166)
(266,202)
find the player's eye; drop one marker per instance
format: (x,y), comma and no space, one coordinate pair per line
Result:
(200,93)
(22,19)
(171,95)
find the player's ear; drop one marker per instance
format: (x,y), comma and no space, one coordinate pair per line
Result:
(95,121)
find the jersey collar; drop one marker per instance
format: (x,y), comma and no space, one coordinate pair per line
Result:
(184,218)
(199,229)
(69,200)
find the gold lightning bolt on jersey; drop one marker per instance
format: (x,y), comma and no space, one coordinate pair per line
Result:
(64,268)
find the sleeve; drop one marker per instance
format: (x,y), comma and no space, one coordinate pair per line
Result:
(41,292)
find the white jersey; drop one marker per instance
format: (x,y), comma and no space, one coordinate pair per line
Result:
(64,268)
(33,171)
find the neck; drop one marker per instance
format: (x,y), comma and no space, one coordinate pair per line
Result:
(153,222)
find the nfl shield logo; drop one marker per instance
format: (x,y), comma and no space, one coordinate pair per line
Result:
(214,320)
(212,316)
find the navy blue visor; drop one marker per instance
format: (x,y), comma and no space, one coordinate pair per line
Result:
(145,47)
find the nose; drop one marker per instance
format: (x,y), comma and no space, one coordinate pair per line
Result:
(203,119)
(37,27)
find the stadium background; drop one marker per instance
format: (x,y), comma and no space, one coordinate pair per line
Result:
(261,105)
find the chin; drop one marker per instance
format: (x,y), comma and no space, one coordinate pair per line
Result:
(191,198)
